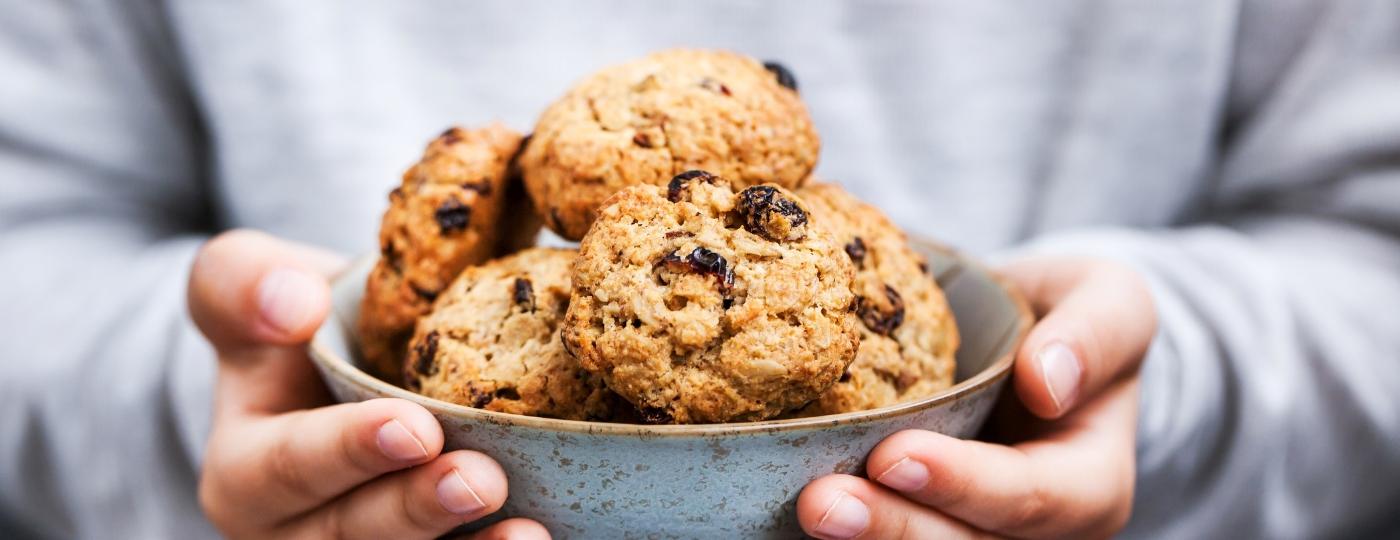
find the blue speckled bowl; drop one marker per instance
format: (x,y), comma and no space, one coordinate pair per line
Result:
(598,480)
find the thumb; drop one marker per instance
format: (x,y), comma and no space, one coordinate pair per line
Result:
(258,300)
(1097,320)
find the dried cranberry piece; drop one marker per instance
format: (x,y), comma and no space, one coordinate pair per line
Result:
(523,292)
(856,250)
(425,355)
(878,320)
(452,216)
(678,182)
(784,75)
(769,213)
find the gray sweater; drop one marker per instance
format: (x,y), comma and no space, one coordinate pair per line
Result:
(1244,155)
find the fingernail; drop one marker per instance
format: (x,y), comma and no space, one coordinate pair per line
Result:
(397,442)
(905,475)
(1061,371)
(456,496)
(845,518)
(283,300)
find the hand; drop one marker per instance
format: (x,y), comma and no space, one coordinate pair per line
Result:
(1066,467)
(282,461)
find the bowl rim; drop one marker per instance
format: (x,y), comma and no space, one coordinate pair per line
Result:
(997,370)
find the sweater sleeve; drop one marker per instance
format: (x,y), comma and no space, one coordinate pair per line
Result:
(104,383)
(1269,404)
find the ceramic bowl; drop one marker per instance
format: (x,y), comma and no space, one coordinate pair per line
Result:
(600,480)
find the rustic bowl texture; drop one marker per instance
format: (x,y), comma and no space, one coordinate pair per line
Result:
(598,480)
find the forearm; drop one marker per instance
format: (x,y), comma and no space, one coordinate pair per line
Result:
(104,384)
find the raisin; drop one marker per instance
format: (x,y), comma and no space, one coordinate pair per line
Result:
(425,294)
(784,75)
(482,187)
(507,393)
(845,375)
(678,182)
(856,250)
(451,136)
(654,415)
(701,261)
(769,213)
(524,294)
(923,267)
(452,216)
(880,321)
(679,234)
(478,397)
(714,86)
(425,354)
(705,261)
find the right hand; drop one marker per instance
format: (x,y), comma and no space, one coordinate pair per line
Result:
(283,461)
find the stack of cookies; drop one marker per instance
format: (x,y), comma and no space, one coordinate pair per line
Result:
(713,281)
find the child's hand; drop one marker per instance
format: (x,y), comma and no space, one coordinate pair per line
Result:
(1067,469)
(284,463)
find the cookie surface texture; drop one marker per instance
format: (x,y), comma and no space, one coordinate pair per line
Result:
(644,121)
(700,304)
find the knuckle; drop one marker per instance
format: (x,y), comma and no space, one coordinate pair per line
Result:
(1033,510)
(286,472)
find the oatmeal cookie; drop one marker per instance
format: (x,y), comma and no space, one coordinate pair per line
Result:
(644,121)
(702,305)
(443,217)
(908,336)
(492,342)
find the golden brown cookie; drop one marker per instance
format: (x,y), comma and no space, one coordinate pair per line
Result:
(645,121)
(443,217)
(702,305)
(492,342)
(908,336)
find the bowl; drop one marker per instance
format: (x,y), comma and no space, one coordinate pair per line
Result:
(600,480)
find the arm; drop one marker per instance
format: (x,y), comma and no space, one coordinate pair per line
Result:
(103,381)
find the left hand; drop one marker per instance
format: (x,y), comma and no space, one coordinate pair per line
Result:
(1067,466)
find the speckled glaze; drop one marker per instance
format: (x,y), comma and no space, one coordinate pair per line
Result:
(596,480)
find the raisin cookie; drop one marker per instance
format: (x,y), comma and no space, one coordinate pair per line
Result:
(644,121)
(907,331)
(702,305)
(443,217)
(492,342)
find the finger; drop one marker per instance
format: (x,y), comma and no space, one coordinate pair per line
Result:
(513,529)
(843,506)
(1076,482)
(280,466)
(1098,320)
(258,299)
(250,289)
(422,502)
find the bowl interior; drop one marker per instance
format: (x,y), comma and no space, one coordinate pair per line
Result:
(991,319)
